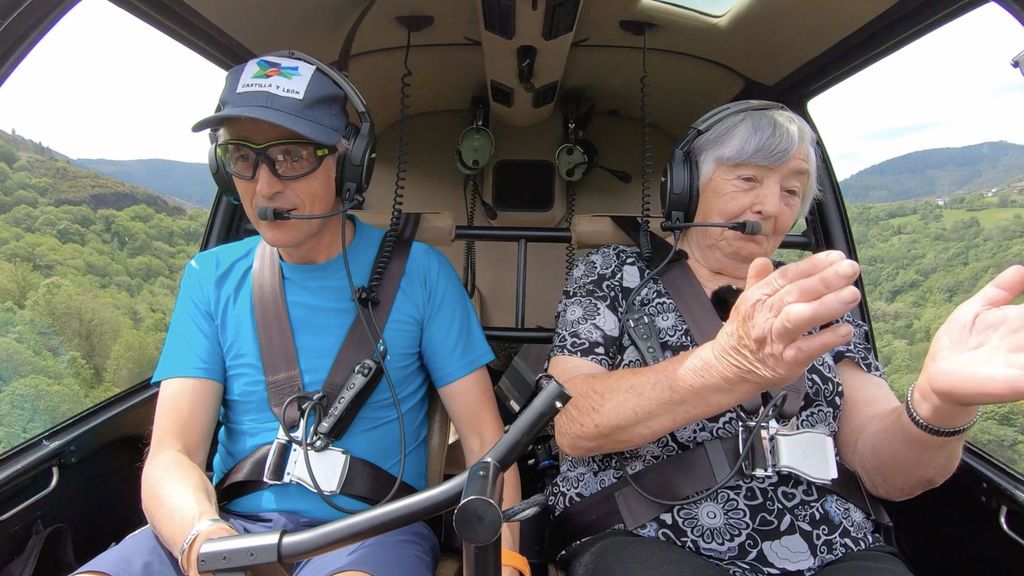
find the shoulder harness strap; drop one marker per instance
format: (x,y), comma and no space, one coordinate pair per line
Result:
(280,364)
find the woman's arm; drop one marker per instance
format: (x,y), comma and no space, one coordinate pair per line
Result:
(763,345)
(976,357)
(894,459)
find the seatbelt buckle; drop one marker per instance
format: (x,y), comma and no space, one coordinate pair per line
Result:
(810,454)
(286,463)
(330,466)
(277,459)
(759,461)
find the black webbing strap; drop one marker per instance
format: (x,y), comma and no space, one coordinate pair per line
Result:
(364,480)
(280,364)
(674,478)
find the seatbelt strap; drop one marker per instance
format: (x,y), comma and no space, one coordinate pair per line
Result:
(284,380)
(686,291)
(675,478)
(277,346)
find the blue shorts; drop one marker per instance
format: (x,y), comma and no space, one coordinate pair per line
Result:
(408,551)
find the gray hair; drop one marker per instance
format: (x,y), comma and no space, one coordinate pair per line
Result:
(762,138)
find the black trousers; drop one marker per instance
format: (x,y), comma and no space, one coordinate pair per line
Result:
(617,553)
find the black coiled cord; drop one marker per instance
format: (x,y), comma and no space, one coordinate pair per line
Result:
(469,256)
(570,212)
(369,294)
(646,160)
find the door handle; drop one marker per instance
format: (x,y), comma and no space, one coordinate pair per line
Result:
(1006,527)
(53,484)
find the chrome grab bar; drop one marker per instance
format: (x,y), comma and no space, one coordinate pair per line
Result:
(53,484)
(1006,528)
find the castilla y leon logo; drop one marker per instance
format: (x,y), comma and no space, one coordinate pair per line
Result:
(271,69)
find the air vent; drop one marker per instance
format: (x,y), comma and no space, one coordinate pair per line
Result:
(500,17)
(545,94)
(501,94)
(559,17)
(523,185)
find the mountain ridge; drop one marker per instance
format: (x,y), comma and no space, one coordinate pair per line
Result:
(937,173)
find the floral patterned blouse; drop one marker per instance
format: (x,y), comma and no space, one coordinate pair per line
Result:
(750,526)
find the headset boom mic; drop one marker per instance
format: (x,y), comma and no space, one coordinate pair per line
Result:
(268,214)
(745,227)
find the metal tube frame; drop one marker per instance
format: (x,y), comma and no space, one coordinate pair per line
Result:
(267,552)
(522,236)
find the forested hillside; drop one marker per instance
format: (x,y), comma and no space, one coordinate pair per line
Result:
(89,268)
(88,274)
(919,261)
(190,182)
(937,173)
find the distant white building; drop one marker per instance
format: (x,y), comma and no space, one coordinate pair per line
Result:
(941,202)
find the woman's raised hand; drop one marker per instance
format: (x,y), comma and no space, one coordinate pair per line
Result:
(977,355)
(766,341)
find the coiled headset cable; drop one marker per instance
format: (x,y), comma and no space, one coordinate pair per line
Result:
(368,295)
(470,193)
(646,158)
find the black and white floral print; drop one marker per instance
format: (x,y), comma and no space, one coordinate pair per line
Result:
(752,526)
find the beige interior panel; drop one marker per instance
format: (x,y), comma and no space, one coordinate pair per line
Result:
(433,183)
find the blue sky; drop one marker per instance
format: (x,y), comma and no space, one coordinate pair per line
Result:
(961,91)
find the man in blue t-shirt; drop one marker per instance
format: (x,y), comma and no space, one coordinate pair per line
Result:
(281,130)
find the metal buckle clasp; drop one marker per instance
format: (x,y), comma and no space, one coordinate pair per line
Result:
(760,461)
(807,453)
(286,463)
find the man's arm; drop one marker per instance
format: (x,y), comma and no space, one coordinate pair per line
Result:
(471,406)
(176,494)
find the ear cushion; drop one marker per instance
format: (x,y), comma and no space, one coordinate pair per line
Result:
(680,185)
(225,183)
(355,168)
(590,151)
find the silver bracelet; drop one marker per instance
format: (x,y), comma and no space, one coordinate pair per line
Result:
(935,430)
(191,537)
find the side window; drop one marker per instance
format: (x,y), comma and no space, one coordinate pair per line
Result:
(104,195)
(927,146)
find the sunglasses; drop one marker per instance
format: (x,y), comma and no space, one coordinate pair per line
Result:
(287,159)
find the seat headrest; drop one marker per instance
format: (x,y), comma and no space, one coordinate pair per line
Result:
(593,230)
(436,228)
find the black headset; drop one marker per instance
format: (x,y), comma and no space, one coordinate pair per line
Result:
(680,182)
(352,170)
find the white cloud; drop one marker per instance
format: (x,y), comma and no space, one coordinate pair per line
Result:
(70,92)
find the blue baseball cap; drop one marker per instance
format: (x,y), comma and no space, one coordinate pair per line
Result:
(287,92)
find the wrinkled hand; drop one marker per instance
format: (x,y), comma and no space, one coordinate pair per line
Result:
(765,344)
(977,355)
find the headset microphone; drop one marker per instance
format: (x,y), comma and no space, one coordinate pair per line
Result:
(268,214)
(745,227)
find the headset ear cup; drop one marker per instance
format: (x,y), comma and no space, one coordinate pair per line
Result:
(355,168)
(690,195)
(590,151)
(225,183)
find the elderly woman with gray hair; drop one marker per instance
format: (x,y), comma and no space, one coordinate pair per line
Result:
(752,445)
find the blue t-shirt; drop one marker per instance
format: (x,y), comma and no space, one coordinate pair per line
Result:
(432,334)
